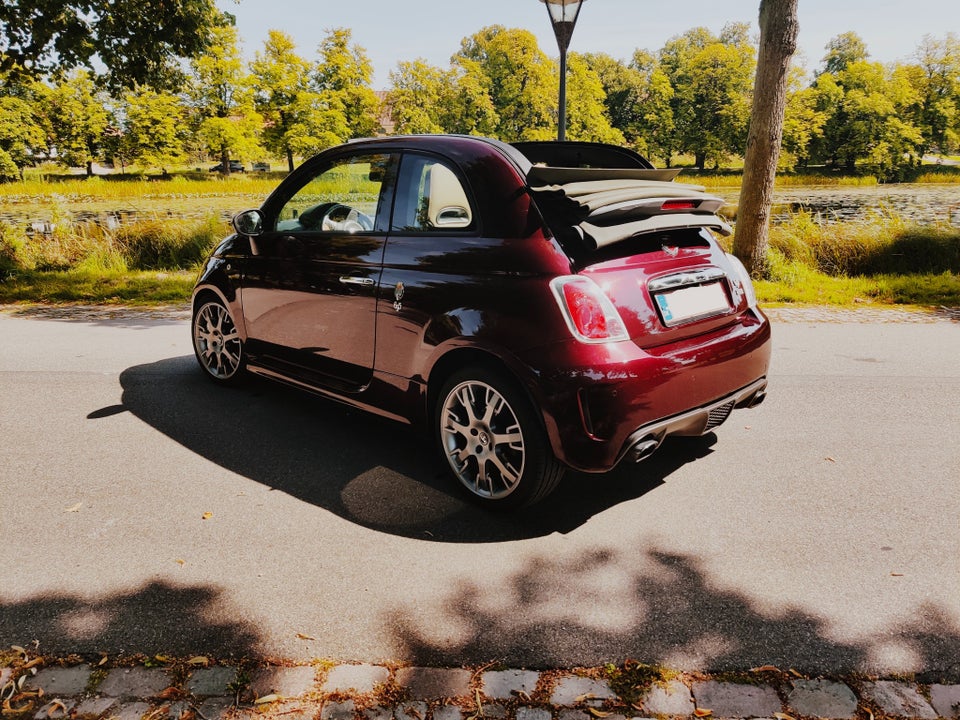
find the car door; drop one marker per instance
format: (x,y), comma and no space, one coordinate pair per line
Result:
(310,287)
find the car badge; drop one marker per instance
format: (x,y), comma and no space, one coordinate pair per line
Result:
(671,250)
(398,296)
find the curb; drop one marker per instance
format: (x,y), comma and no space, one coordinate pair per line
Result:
(324,691)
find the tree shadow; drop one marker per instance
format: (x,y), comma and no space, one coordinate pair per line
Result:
(371,471)
(156,618)
(554,613)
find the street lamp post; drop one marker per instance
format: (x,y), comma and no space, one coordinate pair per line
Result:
(563,17)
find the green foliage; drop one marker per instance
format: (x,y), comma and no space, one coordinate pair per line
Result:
(223,102)
(520,80)
(343,75)
(162,245)
(138,41)
(144,245)
(20,134)
(153,128)
(690,98)
(632,680)
(78,120)
(883,259)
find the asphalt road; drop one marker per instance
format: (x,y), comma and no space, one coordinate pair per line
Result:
(142,509)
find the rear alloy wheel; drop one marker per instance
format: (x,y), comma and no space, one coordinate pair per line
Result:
(217,342)
(493,442)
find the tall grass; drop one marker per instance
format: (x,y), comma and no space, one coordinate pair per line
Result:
(144,245)
(881,259)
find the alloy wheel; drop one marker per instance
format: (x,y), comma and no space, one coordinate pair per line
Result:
(482,439)
(217,341)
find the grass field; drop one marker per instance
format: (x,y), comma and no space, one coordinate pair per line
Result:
(883,259)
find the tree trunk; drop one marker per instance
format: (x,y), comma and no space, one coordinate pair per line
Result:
(778,42)
(290,159)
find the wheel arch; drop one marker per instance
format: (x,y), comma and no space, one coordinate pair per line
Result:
(229,299)
(462,357)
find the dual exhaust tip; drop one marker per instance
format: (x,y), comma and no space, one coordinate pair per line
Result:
(648,444)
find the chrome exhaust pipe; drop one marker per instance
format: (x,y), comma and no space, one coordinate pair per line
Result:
(644,449)
(751,402)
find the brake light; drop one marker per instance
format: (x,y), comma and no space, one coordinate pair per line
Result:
(588,312)
(679,205)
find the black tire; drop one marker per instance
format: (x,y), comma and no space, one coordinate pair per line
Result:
(493,441)
(217,343)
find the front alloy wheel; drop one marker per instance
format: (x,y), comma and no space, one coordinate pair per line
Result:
(217,342)
(493,442)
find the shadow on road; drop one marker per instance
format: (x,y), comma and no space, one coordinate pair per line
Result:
(157,618)
(371,471)
(587,609)
(666,609)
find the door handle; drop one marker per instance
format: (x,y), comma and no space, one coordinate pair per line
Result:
(347,280)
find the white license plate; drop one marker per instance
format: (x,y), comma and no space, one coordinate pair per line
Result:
(692,303)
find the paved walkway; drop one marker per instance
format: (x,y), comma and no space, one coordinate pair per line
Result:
(197,689)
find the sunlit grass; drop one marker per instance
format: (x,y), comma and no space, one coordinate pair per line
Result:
(97,286)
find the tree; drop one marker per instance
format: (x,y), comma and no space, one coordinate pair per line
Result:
(78,119)
(343,75)
(938,85)
(868,110)
(222,97)
(586,112)
(778,42)
(298,120)
(153,128)
(520,80)
(417,97)
(802,122)
(428,99)
(843,50)
(721,76)
(711,81)
(138,41)
(21,136)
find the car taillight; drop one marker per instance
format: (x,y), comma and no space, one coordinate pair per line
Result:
(588,312)
(679,205)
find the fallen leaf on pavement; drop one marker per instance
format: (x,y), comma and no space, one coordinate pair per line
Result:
(266,699)
(782,716)
(305,637)
(74,508)
(702,712)
(765,668)
(56,705)
(207,515)
(829,459)
(169,694)
(585,696)
(198,660)
(598,713)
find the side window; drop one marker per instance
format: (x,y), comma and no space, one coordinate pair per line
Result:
(342,198)
(430,198)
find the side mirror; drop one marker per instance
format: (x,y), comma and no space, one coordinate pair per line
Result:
(248,222)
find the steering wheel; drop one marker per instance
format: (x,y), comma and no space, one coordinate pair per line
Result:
(342,218)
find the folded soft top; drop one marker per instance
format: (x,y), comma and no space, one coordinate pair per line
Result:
(607,205)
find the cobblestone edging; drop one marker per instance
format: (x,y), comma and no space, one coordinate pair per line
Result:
(377,692)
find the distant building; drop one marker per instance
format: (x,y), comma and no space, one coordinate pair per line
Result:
(386,115)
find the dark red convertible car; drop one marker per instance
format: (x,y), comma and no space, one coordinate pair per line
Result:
(535,306)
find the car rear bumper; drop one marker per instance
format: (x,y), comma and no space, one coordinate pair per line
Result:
(604,403)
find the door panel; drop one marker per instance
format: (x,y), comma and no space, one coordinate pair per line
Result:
(310,291)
